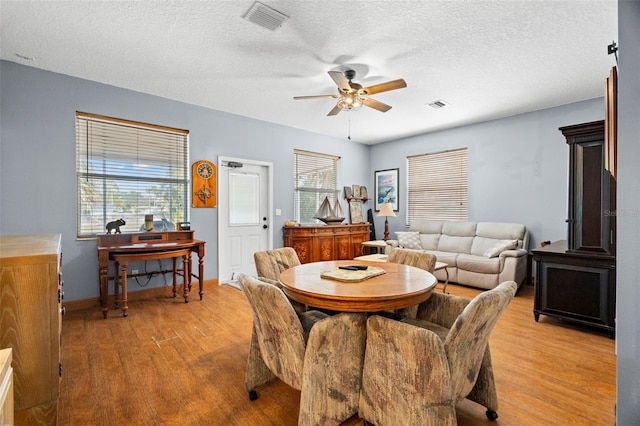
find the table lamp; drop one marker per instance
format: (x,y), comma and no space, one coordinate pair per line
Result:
(386,210)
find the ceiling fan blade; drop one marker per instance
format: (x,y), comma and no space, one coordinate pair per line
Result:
(380,106)
(336,109)
(341,80)
(316,97)
(383,87)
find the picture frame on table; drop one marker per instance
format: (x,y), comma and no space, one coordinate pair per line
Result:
(386,188)
(355,211)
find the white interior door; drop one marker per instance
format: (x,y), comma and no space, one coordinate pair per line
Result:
(244,219)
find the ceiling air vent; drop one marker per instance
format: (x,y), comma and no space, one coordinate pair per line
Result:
(265,16)
(438,104)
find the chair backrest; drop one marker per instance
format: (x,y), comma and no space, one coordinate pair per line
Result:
(270,263)
(279,332)
(466,342)
(419,259)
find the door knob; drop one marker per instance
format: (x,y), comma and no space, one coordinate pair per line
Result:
(264,226)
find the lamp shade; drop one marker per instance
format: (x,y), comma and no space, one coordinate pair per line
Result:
(386,210)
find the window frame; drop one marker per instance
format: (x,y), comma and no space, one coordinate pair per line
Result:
(449,198)
(308,160)
(124,150)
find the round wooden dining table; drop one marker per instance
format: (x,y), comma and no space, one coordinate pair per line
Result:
(400,286)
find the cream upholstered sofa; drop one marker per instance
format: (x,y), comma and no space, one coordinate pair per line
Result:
(478,254)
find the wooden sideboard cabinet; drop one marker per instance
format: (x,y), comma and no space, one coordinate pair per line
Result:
(575,286)
(31,322)
(326,242)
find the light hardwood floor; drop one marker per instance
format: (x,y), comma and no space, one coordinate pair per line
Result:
(171,363)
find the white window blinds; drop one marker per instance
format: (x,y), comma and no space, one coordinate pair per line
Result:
(437,186)
(126,170)
(315,177)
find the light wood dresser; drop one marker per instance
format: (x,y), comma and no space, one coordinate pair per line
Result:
(31,322)
(6,387)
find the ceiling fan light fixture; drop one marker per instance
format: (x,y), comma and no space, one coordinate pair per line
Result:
(350,102)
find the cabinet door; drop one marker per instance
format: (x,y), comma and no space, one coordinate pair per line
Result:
(344,250)
(591,214)
(583,293)
(304,248)
(324,247)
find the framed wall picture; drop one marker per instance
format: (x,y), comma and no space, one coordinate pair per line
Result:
(355,210)
(386,188)
(347,192)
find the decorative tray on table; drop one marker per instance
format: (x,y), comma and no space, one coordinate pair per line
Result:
(352,276)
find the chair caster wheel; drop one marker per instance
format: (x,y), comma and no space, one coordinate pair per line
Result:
(186,301)
(253,395)
(124,314)
(491,415)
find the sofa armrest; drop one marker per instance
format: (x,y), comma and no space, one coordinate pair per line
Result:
(513,253)
(391,244)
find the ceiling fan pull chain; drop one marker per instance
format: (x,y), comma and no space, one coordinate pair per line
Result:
(349,129)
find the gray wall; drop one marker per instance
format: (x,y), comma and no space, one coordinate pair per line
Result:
(518,167)
(37,153)
(628,249)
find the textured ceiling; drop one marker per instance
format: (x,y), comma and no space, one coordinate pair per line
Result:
(486,59)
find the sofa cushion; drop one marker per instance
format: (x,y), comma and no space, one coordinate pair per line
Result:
(459,229)
(410,240)
(479,264)
(447,257)
(429,241)
(427,226)
(501,231)
(490,247)
(500,247)
(455,244)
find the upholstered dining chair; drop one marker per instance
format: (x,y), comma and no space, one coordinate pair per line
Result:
(270,263)
(318,354)
(444,359)
(419,259)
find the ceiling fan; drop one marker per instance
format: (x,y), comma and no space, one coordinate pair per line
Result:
(352,95)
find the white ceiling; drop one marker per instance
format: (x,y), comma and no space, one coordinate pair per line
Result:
(487,59)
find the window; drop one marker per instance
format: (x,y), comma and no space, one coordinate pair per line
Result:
(438,186)
(126,170)
(315,177)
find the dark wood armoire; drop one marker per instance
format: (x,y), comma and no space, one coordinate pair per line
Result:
(576,278)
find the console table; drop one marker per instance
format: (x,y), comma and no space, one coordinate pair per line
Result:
(122,248)
(575,286)
(326,242)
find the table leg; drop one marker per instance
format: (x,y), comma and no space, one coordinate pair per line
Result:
(116,284)
(175,275)
(103,264)
(201,273)
(185,274)
(124,305)
(446,281)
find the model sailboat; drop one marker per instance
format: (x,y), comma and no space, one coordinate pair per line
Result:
(329,214)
